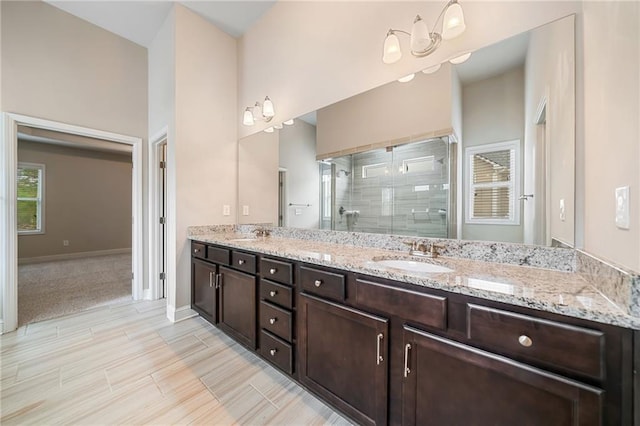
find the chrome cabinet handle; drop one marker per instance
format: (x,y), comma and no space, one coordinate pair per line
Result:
(379,358)
(273,352)
(273,320)
(273,293)
(240,262)
(217,281)
(196,250)
(525,341)
(210,279)
(273,271)
(317,283)
(407,348)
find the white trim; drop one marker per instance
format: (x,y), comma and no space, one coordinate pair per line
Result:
(71,256)
(9,246)
(180,314)
(155,142)
(512,145)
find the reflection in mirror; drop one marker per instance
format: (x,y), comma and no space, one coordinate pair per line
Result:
(395,159)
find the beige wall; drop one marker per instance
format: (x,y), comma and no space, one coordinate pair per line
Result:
(387,113)
(337,48)
(492,111)
(258,177)
(87,200)
(205,150)
(611,128)
(298,157)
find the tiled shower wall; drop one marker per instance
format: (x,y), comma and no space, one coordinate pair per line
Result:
(413,203)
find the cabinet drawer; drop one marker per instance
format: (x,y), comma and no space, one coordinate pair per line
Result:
(244,261)
(218,255)
(276,293)
(575,349)
(198,250)
(276,270)
(276,320)
(322,283)
(276,351)
(412,306)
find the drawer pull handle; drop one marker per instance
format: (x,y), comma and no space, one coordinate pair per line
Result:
(379,358)
(210,278)
(273,320)
(525,341)
(240,261)
(317,283)
(407,348)
(273,271)
(273,293)
(196,250)
(273,352)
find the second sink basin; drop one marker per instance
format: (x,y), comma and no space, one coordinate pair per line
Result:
(413,266)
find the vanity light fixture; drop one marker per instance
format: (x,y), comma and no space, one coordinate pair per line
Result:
(260,111)
(406,78)
(460,58)
(269,130)
(278,126)
(288,122)
(432,69)
(423,41)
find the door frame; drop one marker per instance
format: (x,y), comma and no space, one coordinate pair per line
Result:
(155,284)
(9,123)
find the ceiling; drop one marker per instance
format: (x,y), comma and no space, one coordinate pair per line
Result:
(139,21)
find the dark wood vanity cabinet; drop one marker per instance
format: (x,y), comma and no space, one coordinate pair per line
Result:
(343,358)
(450,383)
(204,284)
(238,305)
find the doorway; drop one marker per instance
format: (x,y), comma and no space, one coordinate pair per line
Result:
(8,197)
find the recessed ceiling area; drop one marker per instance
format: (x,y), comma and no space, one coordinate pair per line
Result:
(139,21)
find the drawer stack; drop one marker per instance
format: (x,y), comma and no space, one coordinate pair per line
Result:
(276,313)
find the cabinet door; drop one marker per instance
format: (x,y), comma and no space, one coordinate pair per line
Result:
(449,383)
(203,288)
(238,293)
(343,358)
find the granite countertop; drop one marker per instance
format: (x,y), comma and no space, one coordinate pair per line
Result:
(566,293)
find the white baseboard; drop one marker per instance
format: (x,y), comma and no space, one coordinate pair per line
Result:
(69,256)
(180,314)
(146,294)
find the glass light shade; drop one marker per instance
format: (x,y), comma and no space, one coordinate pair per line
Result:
(420,37)
(406,78)
(391,50)
(288,122)
(267,108)
(432,69)
(269,130)
(247,118)
(453,24)
(460,58)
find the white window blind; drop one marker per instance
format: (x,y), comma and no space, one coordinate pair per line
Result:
(492,172)
(30,192)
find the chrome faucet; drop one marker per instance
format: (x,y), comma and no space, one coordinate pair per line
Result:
(420,249)
(261,231)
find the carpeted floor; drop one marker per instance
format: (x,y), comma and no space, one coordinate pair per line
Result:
(52,289)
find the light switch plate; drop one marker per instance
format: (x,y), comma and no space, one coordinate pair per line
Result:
(622,207)
(226,210)
(245,210)
(298,212)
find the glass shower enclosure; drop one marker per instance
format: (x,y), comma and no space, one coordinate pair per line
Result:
(405,190)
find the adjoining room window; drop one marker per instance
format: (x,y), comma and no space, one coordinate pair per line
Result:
(30,198)
(492,176)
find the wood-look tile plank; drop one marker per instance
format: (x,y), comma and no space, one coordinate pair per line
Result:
(21,398)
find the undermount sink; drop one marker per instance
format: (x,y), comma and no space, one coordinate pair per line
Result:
(413,266)
(242,239)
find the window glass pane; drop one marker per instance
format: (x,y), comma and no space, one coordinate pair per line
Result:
(491,167)
(27,215)
(28,181)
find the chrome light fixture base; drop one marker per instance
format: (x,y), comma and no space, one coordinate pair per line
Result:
(436,39)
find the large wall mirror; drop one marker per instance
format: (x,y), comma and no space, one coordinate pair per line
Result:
(482,150)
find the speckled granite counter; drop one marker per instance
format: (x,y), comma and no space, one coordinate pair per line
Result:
(557,291)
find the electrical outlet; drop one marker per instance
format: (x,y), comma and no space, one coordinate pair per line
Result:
(622,207)
(65,243)
(298,212)
(245,210)
(226,210)
(563,214)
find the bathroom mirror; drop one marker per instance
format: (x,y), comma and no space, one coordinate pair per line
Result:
(430,158)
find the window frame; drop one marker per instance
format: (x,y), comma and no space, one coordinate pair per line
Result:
(514,183)
(40,199)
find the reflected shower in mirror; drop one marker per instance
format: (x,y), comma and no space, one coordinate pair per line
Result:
(395,159)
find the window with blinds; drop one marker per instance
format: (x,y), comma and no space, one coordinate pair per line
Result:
(492,172)
(30,193)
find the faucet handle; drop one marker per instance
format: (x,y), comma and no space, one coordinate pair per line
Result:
(434,249)
(412,244)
